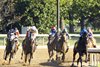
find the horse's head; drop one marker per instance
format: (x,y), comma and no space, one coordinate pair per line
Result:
(15,40)
(56,36)
(85,35)
(63,37)
(84,39)
(15,44)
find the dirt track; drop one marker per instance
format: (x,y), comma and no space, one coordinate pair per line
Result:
(40,58)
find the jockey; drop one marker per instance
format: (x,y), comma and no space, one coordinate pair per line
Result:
(90,35)
(83,31)
(10,36)
(16,32)
(65,31)
(32,33)
(53,31)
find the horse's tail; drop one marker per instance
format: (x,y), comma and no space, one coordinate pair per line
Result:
(76,44)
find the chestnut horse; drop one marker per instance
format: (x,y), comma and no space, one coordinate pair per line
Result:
(28,48)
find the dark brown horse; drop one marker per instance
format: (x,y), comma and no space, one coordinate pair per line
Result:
(57,43)
(81,48)
(11,49)
(28,47)
(91,43)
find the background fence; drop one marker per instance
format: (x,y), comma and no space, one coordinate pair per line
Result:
(42,39)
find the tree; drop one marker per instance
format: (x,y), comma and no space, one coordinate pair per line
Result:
(42,13)
(32,14)
(84,10)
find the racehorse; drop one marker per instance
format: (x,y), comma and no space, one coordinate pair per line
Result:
(62,47)
(81,48)
(57,43)
(11,49)
(28,48)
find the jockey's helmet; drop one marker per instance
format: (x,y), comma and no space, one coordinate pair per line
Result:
(53,27)
(33,28)
(85,30)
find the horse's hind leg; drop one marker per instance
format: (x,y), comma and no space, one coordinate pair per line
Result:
(74,54)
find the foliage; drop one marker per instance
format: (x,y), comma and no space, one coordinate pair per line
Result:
(42,13)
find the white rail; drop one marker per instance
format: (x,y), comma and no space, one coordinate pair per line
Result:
(76,35)
(95,56)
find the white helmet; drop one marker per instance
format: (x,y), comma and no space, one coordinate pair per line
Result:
(33,28)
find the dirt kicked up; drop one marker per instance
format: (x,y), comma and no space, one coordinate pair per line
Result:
(40,59)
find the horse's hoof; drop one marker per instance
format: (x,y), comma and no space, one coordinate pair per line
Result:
(20,61)
(3,63)
(72,65)
(24,64)
(48,60)
(8,63)
(21,58)
(86,61)
(52,59)
(63,61)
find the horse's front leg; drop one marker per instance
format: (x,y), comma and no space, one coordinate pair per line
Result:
(25,58)
(22,54)
(63,57)
(80,59)
(31,54)
(50,55)
(11,55)
(87,57)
